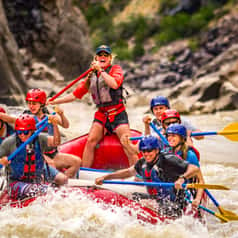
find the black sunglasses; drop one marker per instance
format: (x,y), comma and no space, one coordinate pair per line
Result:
(148,150)
(25,132)
(103,54)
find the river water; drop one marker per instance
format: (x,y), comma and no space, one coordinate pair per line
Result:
(77,216)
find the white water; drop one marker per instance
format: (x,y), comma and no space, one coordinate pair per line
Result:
(78,216)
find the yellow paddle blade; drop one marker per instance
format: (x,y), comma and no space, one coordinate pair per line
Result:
(221,217)
(207,186)
(230,131)
(228,214)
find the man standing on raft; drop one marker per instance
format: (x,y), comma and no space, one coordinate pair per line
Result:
(105,85)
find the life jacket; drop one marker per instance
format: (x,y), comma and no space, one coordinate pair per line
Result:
(102,94)
(154,174)
(27,166)
(9,132)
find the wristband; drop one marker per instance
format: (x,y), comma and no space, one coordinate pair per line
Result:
(182,176)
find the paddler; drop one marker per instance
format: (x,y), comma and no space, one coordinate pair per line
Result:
(105,84)
(27,171)
(6,129)
(36,101)
(160,108)
(177,137)
(157,166)
(172,116)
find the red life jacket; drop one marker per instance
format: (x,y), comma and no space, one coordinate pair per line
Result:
(147,178)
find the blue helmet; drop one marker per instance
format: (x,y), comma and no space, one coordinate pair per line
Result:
(159,100)
(150,143)
(177,129)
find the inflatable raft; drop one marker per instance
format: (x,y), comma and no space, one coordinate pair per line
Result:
(109,153)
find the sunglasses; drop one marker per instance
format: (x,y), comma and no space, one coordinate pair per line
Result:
(25,132)
(103,54)
(148,150)
(170,122)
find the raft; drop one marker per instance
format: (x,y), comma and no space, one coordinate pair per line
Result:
(109,199)
(109,153)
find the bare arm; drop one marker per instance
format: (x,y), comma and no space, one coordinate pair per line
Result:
(199,194)
(55,139)
(110,81)
(120,174)
(68,98)
(192,170)
(7,118)
(147,120)
(62,120)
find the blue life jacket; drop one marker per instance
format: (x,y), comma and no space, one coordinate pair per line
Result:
(28,165)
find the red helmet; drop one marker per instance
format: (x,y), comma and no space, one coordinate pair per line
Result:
(25,122)
(36,95)
(170,113)
(2,110)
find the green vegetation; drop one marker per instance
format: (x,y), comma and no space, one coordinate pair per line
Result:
(128,38)
(183,25)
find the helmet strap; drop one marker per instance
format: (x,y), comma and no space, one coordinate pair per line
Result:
(2,124)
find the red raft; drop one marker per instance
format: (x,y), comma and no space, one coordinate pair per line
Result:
(109,153)
(106,197)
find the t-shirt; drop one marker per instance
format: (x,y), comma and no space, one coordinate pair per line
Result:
(8,146)
(191,158)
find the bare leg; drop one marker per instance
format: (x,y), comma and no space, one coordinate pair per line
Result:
(70,162)
(123,130)
(95,135)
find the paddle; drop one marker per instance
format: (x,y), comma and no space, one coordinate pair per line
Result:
(162,137)
(228,214)
(94,170)
(230,132)
(70,84)
(156,184)
(221,217)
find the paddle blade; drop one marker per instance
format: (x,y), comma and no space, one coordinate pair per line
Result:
(207,186)
(228,214)
(221,217)
(230,131)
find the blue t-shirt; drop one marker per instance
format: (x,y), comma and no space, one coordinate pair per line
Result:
(191,157)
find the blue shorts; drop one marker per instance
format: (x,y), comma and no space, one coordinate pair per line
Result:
(50,173)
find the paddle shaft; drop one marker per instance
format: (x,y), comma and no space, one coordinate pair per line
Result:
(163,138)
(94,170)
(43,121)
(70,84)
(33,136)
(154,184)
(164,184)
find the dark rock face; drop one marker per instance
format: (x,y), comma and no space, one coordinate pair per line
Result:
(12,83)
(53,31)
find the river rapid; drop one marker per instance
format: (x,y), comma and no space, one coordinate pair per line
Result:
(77,216)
